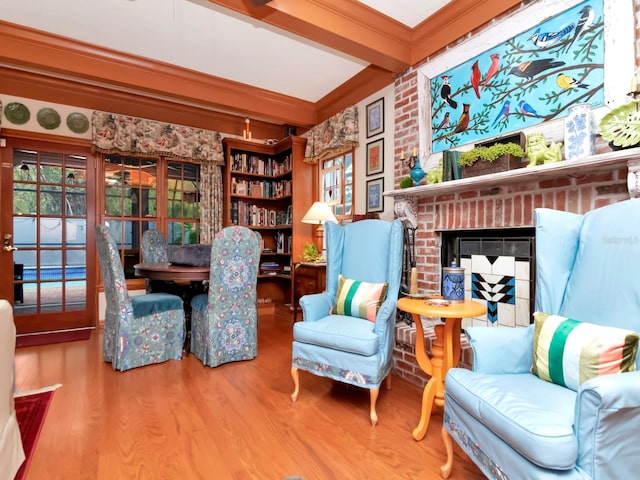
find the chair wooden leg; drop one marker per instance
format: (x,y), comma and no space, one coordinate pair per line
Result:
(445,470)
(296,383)
(372,411)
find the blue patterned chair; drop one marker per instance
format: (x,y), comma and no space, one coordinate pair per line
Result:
(347,333)
(224,321)
(154,246)
(155,249)
(561,398)
(138,330)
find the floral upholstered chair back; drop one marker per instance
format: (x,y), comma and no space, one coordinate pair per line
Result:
(154,247)
(138,330)
(225,320)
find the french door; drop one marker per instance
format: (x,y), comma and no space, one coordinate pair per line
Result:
(47,219)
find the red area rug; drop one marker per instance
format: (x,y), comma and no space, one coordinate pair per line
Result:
(31,411)
(34,339)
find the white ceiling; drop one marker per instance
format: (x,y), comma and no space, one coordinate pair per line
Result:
(205,37)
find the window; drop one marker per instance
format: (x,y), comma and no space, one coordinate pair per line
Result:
(150,193)
(336,176)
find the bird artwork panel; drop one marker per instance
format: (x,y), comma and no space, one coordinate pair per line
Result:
(533,77)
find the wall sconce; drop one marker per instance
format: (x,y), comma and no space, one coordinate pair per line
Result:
(318,214)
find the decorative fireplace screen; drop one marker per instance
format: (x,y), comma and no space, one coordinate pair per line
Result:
(499,269)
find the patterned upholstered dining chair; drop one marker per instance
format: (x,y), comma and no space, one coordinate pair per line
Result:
(154,246)
(155,249)
(224,321)
(138,330)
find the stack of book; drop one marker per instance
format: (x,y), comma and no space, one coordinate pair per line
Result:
(269,268)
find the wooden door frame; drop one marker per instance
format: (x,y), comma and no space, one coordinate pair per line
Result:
(56,144)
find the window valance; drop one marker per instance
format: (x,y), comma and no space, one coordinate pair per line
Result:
(333,135)
(112,133)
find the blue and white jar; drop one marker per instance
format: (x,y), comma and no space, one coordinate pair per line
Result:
(579,132)
(453,283)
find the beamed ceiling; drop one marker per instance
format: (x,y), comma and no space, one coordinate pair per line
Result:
(44,64)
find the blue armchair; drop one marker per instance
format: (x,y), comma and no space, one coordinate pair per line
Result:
(224,321)
(534,407)
(342,336)
(139,330)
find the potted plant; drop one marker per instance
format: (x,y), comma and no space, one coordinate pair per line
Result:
(490,159)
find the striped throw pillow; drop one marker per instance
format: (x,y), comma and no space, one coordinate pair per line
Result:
(569,352)
(359,299)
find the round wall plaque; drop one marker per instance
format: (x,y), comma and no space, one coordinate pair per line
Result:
(48,118)
(77,122)
(17,113)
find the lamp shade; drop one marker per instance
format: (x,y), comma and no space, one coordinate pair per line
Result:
(319,213)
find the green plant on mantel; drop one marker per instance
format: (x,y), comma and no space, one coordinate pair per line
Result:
(490,154)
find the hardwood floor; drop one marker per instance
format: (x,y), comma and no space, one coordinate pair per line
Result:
(181,420)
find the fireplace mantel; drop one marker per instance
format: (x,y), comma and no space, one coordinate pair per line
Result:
(572,168)
(406,199)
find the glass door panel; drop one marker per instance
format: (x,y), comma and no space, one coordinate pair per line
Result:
(53,256)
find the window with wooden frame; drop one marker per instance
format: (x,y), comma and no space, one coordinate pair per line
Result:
(336,183)
(150,193)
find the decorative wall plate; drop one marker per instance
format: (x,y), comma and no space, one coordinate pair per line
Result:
(17,113)
(77,122)
(48,118)
(621,126)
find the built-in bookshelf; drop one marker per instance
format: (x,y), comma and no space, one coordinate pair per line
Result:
(259,185)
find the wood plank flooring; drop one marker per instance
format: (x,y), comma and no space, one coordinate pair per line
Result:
(181,420)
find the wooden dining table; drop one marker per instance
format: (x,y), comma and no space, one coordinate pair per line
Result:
(170,271)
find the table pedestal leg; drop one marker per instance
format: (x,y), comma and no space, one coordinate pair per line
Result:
(445,353)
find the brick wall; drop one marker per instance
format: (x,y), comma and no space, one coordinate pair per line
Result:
(501,206)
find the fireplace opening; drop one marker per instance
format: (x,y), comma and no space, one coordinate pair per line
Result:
(499,269)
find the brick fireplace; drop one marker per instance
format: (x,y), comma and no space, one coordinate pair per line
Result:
(497,202)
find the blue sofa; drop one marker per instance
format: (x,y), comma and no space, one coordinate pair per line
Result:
(511,422)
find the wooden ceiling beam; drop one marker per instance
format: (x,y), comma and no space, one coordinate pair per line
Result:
(347,26)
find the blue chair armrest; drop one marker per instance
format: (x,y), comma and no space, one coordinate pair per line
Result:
(501,350)
(315,306)
(607,421)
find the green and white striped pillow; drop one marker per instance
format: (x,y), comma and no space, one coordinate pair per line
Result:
(359,299)
(569,352)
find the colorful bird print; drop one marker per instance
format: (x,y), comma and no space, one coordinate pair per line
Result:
(493,69)
(529,69)
(445,92)
(549,38)
(475,78)
(587,15)
(565,81)
(504,111)
(463,121)
(444,123)
(527,109)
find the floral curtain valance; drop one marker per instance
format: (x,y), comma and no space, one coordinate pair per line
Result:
(332,135)
(125,135)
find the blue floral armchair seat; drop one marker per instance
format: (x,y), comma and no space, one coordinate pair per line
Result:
(138,330)
(347,332)
(224,321)
(560,399)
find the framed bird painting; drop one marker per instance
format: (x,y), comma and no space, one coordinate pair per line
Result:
(533,77)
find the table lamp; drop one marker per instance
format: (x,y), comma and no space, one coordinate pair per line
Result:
(318,214)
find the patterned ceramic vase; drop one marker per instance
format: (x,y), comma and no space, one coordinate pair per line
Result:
(579,132)
(453,283)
